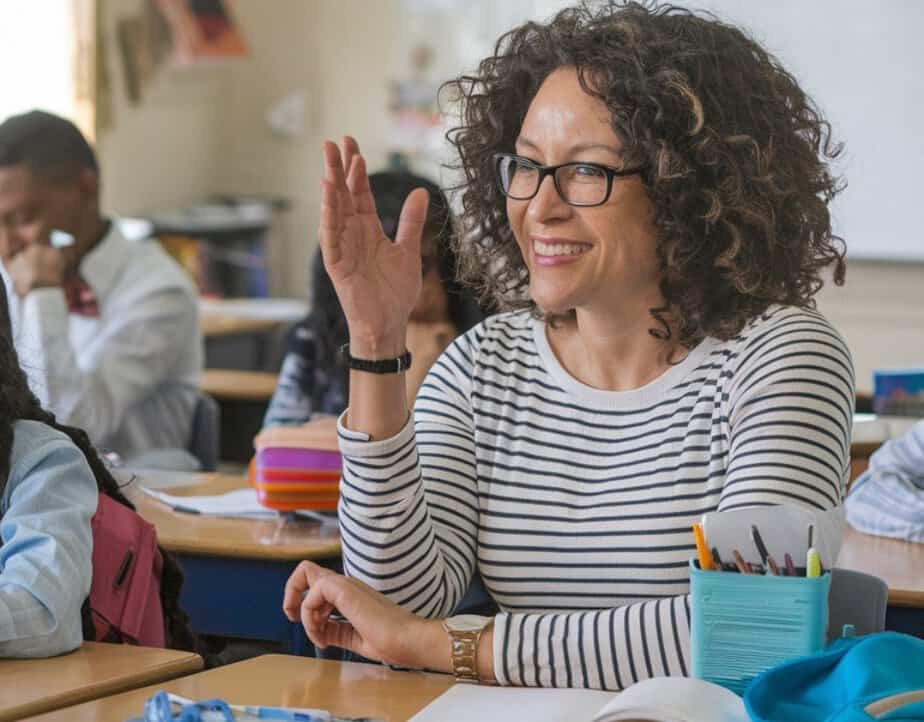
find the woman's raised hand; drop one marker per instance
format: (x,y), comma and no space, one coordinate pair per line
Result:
(377,280)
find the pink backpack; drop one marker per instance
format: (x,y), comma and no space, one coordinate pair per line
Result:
(125,604)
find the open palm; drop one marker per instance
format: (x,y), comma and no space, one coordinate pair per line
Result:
(377,280)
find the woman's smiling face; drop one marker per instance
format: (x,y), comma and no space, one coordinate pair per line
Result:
(590,258)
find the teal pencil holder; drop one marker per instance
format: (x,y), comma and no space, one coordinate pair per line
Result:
(743,624)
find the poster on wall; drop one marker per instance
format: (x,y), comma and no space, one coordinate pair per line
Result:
(201,30)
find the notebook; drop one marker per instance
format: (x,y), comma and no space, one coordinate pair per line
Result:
(662,699)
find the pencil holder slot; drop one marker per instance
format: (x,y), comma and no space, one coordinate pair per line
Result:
(743,624)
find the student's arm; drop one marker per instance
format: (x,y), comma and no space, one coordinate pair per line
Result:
(888,498)
(409,504)
(901,458)
(790,414)
(45,559)
(143,346)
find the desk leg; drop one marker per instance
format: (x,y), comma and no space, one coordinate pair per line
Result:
(241,598)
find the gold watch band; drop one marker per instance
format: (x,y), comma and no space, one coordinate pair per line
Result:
(464,654)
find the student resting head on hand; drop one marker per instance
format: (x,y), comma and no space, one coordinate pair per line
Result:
(646,192)
(107,328)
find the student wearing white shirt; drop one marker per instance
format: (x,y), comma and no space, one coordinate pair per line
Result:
(106,328)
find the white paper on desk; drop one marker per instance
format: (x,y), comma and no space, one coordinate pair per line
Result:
(237,503)
(782,528)
(467,702)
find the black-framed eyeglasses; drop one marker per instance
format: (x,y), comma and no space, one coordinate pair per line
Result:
(578,183)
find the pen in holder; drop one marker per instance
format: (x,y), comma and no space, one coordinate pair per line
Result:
(743,624)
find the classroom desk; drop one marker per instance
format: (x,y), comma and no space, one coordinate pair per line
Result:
(247,333)
(242,398)
(218,324)
(224,558)
(34,686)
(234,385)
(345,688)
(226,316)
(900,565)
(860,451)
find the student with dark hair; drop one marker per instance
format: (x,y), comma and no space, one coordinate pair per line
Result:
(50,477)
(315,377)
(106,328)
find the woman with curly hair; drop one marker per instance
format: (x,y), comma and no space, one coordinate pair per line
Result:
(646,190)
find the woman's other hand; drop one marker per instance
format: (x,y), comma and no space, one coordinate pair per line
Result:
(377,280)
(372,625)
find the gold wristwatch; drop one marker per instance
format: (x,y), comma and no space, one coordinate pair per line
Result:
(464,633)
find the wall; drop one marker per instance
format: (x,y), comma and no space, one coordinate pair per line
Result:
(880,312)
(203,130)
(163,152)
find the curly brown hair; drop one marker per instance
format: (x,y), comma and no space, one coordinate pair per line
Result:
(735,158)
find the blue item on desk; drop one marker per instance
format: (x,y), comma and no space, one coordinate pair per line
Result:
(876,677)
(160,708)
(164,707)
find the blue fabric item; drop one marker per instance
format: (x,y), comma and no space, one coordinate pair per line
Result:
(837,684)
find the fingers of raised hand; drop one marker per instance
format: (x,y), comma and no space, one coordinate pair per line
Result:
(334,172)
(411,222)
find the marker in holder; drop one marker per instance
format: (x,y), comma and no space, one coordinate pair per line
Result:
(743,624)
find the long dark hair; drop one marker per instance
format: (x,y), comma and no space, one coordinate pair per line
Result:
(735,158)
(326,322)
(18,402)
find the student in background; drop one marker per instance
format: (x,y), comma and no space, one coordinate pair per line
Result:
(648,190)
(888,498)
(314,377)
(106,328)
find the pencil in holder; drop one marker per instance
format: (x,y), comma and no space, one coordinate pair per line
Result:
(743,624)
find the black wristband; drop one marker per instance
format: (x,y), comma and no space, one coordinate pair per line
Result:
(383,366)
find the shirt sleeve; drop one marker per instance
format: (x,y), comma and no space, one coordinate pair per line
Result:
(408,505)
(143,346)
(888,498)
(790,414)
(45,559)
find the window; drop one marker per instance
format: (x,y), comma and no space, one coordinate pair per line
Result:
(47,51)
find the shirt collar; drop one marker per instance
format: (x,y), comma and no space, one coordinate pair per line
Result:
(103,264)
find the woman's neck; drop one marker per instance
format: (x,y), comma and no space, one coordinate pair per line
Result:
(615,352)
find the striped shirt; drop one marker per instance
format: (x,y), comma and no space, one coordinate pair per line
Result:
(575,504)
(888,498)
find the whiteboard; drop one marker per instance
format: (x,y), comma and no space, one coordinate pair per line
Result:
(861,61)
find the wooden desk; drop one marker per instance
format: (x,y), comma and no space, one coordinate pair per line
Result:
(261,539)
(218,324)
(860,452)
(34,686)
(242,397)
(223,557)
(234,385)
(345,688)
(898,563)
(227,316)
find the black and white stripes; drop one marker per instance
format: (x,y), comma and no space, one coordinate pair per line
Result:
(575,504)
